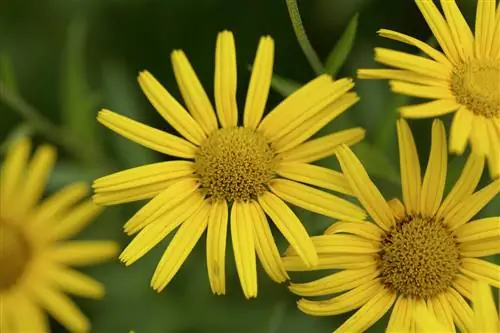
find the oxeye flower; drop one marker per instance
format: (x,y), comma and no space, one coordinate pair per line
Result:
(423,250)
(229,172)
(35,255)
(464,78)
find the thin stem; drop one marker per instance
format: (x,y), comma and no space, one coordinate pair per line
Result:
(304,42)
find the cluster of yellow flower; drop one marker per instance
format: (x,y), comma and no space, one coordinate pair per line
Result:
(418,255)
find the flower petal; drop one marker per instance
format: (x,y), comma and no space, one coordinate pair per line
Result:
(481,270)
(23,308)
(459,29)
(216,246)
(485,314)
(83,253)
(294,263)
(341,244)
(461,311)
(75,220)
(485,26)
(430,109)
(260,81)
(402,75)
(463,284)
(13,169)
(75,283)
(400,319)
(460,130)
(363,229)
(426,320)
(422,91)
(478,230)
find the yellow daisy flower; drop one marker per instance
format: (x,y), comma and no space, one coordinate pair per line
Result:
(425,250)
(485,317)
(248,170)
(465,79)
(34,254)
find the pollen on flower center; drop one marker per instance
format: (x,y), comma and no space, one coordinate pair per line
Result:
(234,164)
(15,253)
(419,258)
(476,85)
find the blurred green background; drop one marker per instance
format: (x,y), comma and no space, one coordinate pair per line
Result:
(66,59)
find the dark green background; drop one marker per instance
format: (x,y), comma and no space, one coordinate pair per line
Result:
(69,58)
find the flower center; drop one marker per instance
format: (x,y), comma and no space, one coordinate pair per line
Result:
(419,258)
(234,164)
(15,253)
(476,85)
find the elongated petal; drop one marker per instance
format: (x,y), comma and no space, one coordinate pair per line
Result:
(27,316)
(435,173)
(400,319)
(62,309)
(265,245)
(463,284)
(290,226)
(226,80)
(155,232)
(13,169)
(322,147)
(146,136)
(442,308)
(402,75)
(367,315)
(426,320)
(410,167)
(364,189)
(311,126)
(335,283)
(485,26)
(422,91)
(459,29)
(216,246)
(170,109)
(465,185)
(76,283)
(341,244)
(192,91)
(316,200)
(439,28)
(494,154)
(242,235)
(75,220)
(293,263)
(460,130)
(260,81)
(485,314)
(430,109)
(478,230)
(481,270)
(182,244)
(479,136)
(83,253)
(461,311)
(363,229)
(314,175)
(482,248)
(165,201)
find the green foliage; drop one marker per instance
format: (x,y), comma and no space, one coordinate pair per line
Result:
(338,56)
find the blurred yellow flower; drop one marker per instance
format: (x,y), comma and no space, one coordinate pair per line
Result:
(425,250)
(465,79)
(233,174)
(34,256)
(485,317)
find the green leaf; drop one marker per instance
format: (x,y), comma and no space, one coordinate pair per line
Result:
(7,75)
(79,104)
(66,172)
(375,162)
(283,85)
(338,55)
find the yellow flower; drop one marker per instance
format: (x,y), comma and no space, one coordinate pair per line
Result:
(248,170)
(485,318)
(425,250)
(465,79)
(34,256)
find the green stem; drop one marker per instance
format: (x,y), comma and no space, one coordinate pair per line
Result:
(304,42)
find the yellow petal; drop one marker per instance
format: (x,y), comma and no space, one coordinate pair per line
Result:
(322,147)
(482,248)
(364,189)
(430,109)
(315,200)
(293,263)
(341,244)
(495,45)
(242,235)
(465,185)
(83,253)
(27,316)
(335,283)
(400,319)
(485,316)
(402,75)
(348,301)
(478,230)
(435,173)
(363,229)
(442,309)
(410,167)
(463,284)
(265,245)
(460,130)
(426,320)
(170,109)
(494,154)
(314,175)
(165,201)
(485,26)
(75,220)
(459,29)
(479,136)
(367,315)
(192,91)
(481,270)
(146,136)
(398,209)
(290,226)
(155,232)
(461,311)
(439,28)
(260,81)
(422,91)
(226,80)
(216,246)
(75,283)
(179,248)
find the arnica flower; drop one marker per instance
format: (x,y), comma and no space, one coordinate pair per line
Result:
(35,257)
(233,174)
(424,250)
(485,318)
(465,79)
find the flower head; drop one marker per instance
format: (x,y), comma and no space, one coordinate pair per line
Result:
(424,250)
(464,78)
(235,173)
(35,257)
